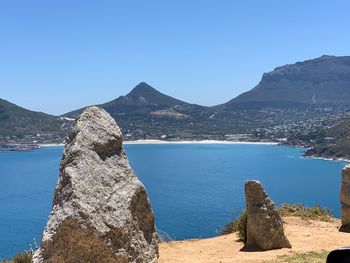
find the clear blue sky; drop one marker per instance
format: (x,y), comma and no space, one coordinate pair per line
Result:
(56,56)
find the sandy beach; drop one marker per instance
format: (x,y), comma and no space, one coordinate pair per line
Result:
(52,145)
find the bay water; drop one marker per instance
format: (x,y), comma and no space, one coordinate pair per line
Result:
(195,189)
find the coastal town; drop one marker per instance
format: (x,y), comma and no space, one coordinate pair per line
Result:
(286,126)
(29,142)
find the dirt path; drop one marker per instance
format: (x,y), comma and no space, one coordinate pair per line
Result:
(304,237)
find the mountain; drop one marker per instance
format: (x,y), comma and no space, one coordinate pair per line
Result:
(146,113)
(324,80)
(144,99)
(18,123)
(305,93)
(144,94)
(289,102)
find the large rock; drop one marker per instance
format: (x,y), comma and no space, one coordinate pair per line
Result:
(345,199)
(101,212)
(264,224)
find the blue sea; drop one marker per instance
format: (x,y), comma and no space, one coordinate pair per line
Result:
(195,189)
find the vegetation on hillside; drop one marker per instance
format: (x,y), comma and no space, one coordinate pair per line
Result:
(339,147)
(24,257)
(15,120)
(306,213)
(238,225)
(19,125)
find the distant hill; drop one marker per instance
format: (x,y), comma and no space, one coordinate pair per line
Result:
(143,94)
(147,113)
(324,80)
(291,101)
(306,93)
(144,99)
(19,122)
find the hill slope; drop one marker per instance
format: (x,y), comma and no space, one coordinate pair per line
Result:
(146,113)
(143,99)
(19,122)
(333,141)
(324,80)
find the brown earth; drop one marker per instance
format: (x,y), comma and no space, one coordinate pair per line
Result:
(305,236)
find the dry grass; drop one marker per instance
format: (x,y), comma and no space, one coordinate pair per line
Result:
(306,213)
(309,257)
(24,257)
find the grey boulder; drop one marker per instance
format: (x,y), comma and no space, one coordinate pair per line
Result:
(101,211)
(264,224)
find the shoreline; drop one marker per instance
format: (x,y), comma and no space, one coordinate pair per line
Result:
(338,159)
(208,142)
(196,142)
(144,142)
(327,158)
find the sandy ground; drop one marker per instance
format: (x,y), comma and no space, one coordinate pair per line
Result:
(304,237)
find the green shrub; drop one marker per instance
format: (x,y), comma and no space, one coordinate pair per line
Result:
(306,213)
(25,257)
(22,258)
(238,225)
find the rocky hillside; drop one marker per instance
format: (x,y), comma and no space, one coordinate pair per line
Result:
(324,80)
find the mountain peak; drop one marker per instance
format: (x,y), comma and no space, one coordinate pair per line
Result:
(146,94)
(327,56)
(142,89)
